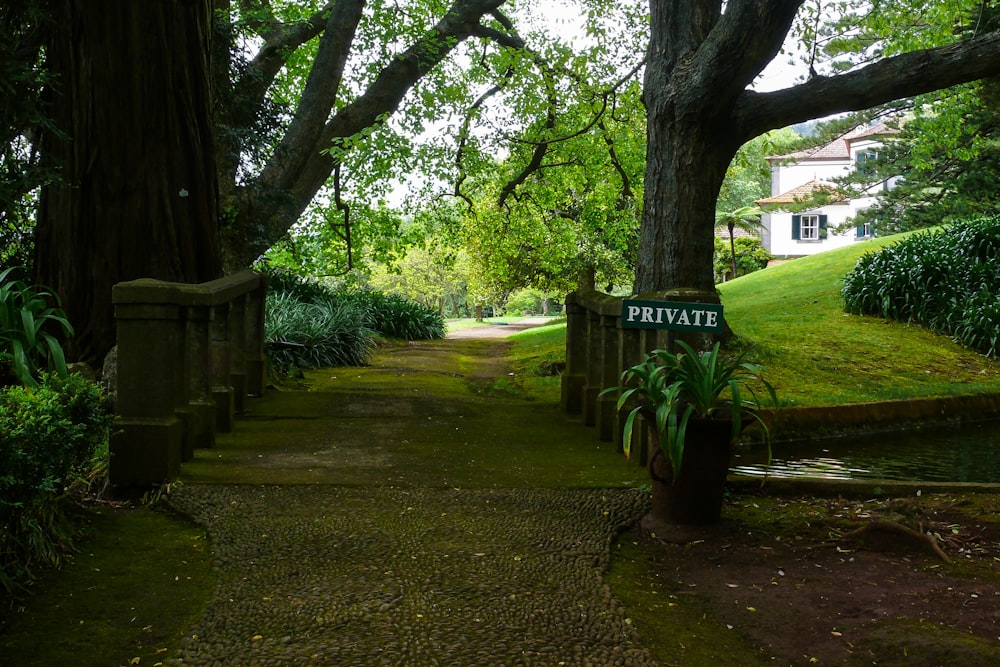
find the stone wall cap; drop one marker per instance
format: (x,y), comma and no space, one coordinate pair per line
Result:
(213,292)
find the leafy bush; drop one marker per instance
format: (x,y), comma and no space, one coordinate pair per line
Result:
(396,316)
(309,325)
(49,434)
(27,318)
(945,279)
(300,334)
(750,256)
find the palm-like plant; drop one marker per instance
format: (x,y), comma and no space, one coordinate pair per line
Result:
(27,316)
(669,389)
(746,218)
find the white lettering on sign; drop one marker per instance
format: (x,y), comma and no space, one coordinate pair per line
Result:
(671,317)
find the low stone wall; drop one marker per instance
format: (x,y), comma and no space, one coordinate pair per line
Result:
(188,356)
(598,350)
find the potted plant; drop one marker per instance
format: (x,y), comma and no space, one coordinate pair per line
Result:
(697,405)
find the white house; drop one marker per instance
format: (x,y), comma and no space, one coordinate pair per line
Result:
(798,176)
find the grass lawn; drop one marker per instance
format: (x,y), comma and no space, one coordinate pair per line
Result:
(814,353)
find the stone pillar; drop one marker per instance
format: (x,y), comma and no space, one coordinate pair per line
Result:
(607,405)
(253,349)
(219,349)
(199,413)
(146,439)
(574,375)
(629,354)
(595,351)
(237,356)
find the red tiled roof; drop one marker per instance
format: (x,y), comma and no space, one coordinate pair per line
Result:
(803,193)
(840,148)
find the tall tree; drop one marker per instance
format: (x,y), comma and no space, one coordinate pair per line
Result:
(703,56)
(23,25)
(132,104)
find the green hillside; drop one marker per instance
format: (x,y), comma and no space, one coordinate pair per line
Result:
(818,355)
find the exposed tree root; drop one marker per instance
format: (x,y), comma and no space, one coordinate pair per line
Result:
(888,526)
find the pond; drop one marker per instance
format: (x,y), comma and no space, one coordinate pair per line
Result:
(969,453)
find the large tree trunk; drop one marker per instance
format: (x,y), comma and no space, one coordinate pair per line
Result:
(699,111)
(132,98)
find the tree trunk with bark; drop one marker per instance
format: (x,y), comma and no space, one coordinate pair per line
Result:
(700,63)
(132,107)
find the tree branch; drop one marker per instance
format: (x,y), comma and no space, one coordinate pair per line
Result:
(905,75)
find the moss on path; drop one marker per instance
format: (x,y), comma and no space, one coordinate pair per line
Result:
(431,414)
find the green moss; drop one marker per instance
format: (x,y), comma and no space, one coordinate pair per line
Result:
(676,627)
(141,579)
(906,642)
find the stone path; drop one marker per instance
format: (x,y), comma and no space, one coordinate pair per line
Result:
(319,575)
(354,571)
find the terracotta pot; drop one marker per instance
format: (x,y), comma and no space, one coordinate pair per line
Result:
(695,497)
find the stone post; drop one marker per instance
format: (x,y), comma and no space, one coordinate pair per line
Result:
(146,440)
(607,405)
(219,352)
(593,370)
(255,361)
(574,375)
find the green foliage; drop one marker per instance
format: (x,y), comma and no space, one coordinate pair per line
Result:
(668,389)
(23,25)
(748,177)
(27,342)
(945,279)
(314,334)
(309,325)
(529,302)
(750,256)
(432,274)
(397,317)
(49,435)
(942,165)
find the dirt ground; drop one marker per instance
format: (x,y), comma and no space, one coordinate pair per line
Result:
(808,580)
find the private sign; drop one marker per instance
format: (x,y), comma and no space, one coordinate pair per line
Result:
(677,316)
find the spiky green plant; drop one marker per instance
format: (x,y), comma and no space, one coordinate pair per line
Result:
(668,389)
(30,318)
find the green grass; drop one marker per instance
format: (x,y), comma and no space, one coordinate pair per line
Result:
(471,322)
(537,356)
(816,354)
(139,582)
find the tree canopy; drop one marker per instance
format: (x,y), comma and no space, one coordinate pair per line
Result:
(329,102)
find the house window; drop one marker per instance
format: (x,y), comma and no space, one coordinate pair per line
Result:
(810,227)
(864,230)
(865,162)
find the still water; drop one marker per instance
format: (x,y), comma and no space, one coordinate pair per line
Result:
(941,454)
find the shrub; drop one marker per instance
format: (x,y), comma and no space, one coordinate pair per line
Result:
(945,279)
(49,434)
(398,317)
(299,334)
(28,343)
(750,256)
(309,325)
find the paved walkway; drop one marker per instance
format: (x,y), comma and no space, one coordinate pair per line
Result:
(406,573)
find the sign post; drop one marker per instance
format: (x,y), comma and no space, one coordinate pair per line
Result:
(672,316)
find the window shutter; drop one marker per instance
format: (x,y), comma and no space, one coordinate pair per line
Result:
(796,227)
(860,229)
(822,227)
